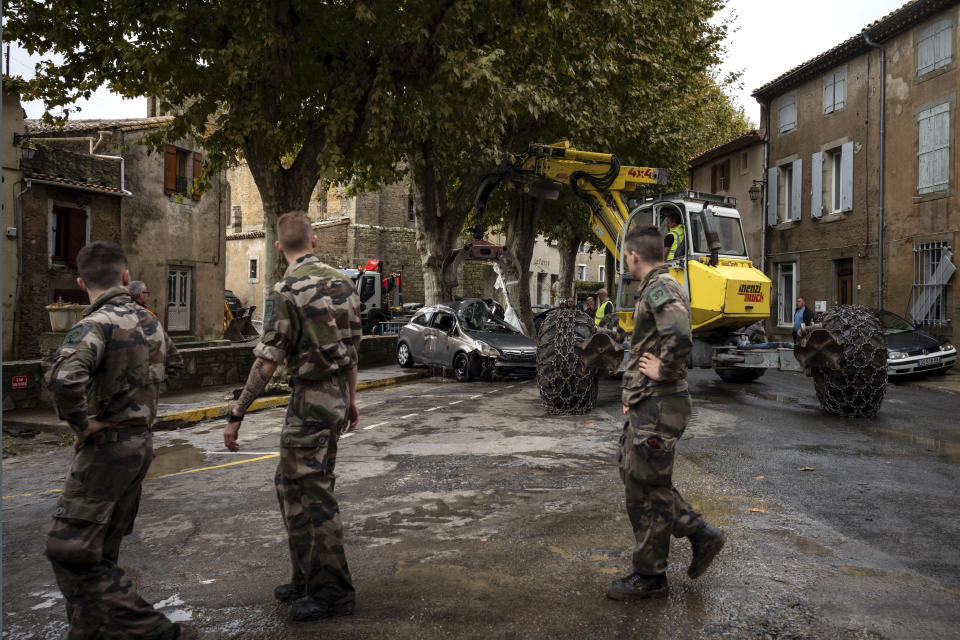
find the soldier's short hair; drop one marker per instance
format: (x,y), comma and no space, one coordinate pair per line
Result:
(101,265)
(294,231)
(646,242)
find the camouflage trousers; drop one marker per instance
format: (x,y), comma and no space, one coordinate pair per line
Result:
(96,510)
(305,481)
(656,509)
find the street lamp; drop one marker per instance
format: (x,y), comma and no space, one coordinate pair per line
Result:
(755,189)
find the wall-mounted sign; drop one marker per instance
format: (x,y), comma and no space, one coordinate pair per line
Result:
(18,382)
(820,306)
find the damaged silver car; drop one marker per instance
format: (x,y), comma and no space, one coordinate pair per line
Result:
(468,338)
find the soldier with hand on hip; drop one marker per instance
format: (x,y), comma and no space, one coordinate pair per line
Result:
(105,380)
(657,404)
(311,323)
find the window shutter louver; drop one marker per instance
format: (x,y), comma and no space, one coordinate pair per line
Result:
(771,197)
(169,170)
(839,90)
(828,94)
(197,170)
(795,188)
(846,177)
(933,149)
(816,185)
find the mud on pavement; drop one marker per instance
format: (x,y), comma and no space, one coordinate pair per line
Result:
(469,514)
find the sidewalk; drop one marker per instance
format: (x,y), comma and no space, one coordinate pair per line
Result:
(176,410)
(948,382)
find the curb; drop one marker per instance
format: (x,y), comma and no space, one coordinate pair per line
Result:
(180,419)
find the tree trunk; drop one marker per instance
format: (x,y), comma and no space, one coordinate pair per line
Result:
(567,246)
(521,231)
(438,224)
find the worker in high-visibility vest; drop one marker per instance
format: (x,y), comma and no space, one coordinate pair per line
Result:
(673,241)
(604,306)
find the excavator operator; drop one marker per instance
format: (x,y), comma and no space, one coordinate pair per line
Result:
(673,242)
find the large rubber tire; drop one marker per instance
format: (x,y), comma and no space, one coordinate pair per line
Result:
(739,375)
(464,368)
(856,389)
(404,357)
(566,386)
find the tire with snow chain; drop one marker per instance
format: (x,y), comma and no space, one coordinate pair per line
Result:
(566,386)
(856,389)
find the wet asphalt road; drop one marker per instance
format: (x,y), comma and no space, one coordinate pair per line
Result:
(470,513)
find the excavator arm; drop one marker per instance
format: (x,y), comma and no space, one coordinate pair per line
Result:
(596,178)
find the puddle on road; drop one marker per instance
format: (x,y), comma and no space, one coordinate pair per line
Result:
(809,546)
(862,571)
(947,450)
(178,456)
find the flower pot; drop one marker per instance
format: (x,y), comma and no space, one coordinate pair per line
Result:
(63,316)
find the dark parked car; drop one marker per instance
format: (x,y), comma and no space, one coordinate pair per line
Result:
(466,337)
(912,351)
(233,302)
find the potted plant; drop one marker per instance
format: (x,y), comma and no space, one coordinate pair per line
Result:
(64,315)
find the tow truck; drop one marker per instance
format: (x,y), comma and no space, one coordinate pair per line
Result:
(381,297)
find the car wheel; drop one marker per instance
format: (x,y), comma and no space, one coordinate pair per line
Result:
(404,357)
(462,368)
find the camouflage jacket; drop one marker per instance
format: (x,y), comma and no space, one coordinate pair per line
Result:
(311,322)
(111,364)
(661,326)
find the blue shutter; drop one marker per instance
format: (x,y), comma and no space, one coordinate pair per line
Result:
(795,188)
(846,177)
(772,197)
(816,185)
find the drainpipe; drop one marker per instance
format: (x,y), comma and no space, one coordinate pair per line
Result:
(766,195)
(883,104)
(15,343)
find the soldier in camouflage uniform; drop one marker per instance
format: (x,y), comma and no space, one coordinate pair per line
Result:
(105,380)
(657,403)
(312,325)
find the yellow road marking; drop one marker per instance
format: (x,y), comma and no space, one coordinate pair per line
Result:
(26,495)
(216,466)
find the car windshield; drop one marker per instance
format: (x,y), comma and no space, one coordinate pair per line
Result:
(892,323)
(476,317)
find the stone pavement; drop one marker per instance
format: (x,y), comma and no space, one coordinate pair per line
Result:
(179,409)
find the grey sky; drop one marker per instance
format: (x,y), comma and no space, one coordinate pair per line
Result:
(772,37)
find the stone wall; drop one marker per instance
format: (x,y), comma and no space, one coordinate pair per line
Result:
(83,167)
(42,278)
(203,367)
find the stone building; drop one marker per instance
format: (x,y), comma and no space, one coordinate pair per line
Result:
(13,116)
(732,169)
(93,180)
(823,127)
(350,230)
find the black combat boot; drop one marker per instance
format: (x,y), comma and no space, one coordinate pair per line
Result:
(289,592)
(637,586)
(307,608)
(706,544)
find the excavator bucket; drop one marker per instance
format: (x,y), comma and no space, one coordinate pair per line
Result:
(483,251)
(238,327)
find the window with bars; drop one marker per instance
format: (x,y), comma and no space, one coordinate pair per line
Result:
(935,47)
(933,149)
(932,269)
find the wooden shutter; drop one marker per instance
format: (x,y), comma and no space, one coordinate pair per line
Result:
(197,170)
(839,89)
(788,113)
(772,196)
(76,234)
(846,177)
(828,87)
(795,194)
(933,151)
(169,169)
(935,47)
(713,179)
(816,185)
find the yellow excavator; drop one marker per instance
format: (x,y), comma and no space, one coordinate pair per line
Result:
(727,293)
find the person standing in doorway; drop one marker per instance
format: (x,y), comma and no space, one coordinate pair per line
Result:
(802,316)
(311,322)
(657,405)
